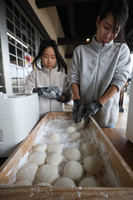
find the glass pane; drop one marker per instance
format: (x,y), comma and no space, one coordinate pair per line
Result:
(34,54)
(19,45)
(29,42)
(10,26)
(20,62)
(18,33)
(11,40)
(24,38)
(9,14)
(21,81)
(23,29)
(9,4)
(16,12)
(33,38)
(17,22)
(25,50)
(12,49)
(19,53)
(23,20)
(33,46)
(32,30)
(12,59)
(15,90)
(13,71)
(28,26)
(29,34)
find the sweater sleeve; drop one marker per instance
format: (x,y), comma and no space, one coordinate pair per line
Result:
(123,67)
(74,73)
(30,83)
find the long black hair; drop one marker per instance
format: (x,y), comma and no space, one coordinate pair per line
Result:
(43,45)
(119,10)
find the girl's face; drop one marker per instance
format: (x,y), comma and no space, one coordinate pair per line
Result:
(48,58)
(105,29)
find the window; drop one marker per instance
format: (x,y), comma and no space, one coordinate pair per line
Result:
(21,42)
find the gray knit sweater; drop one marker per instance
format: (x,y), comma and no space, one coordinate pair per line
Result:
(95,67)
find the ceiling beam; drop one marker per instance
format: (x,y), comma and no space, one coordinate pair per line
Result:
(74,40)
(49,3)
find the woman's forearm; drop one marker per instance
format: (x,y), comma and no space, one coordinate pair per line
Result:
(108,94)
(75,91)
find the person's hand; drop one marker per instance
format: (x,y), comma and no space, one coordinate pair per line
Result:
(92,109)
(78,110)
(50,92)
(64,98)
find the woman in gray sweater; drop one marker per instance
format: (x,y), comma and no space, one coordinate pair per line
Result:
(51,85)
(100,69)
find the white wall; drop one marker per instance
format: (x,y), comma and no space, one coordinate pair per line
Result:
(51,22)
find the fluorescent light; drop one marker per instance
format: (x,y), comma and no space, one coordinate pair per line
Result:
(87,39)
(17,40)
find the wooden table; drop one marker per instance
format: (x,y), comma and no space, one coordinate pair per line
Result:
(121,143)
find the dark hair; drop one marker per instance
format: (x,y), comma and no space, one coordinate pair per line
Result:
(119,9)
(43,45)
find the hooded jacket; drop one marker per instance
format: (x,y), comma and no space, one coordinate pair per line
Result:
(95,67)
(47,78)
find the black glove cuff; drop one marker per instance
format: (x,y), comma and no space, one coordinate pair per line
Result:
(99,104)
(77,101)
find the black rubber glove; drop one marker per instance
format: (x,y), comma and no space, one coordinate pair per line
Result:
(92,109)
(78,110)
(50,92)
(64,98)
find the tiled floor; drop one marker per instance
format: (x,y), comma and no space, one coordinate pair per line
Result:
(122,121)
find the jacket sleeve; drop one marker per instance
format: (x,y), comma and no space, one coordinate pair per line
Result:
(30,83)
(74,73)
(123,67)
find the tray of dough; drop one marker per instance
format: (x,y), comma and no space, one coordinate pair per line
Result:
(62,160)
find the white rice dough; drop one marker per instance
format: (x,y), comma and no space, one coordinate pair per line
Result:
(37,157)
(92,164)
(88,148)
(44,184)
(79,125)
(71,130)
(75,135)
(22,183)
(73,170)
(72,154)
(40,147)
(54,138)
(89,182)
(54,158)
(64,182)
(47,173)
(27,171)
(54,148)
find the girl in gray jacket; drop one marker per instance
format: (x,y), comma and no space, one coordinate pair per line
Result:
(51,85)
(100,69)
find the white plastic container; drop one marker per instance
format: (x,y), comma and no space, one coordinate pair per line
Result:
(18,115)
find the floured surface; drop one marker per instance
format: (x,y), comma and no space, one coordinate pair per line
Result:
(57,128)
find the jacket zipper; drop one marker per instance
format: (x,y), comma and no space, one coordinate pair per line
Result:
(97,71)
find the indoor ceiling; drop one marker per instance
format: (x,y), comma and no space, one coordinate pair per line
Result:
(78,19)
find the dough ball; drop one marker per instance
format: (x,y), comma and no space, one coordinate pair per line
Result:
(79,125)
(44,184)
(22,183)
(40,147)
(47,173)
(75,135)
(89,182)
(54,148)
(37,157)
(65,182)
(54,159)
(73,170)
(92,164)
(71,130)
(72,154)
(88,148)
(54,138)
(27,171)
